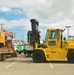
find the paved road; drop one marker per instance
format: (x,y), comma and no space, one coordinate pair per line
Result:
(22,65)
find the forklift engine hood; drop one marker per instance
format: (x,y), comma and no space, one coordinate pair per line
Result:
(70,43)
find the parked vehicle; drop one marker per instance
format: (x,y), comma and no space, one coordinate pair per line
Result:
(6,45)
(20,48)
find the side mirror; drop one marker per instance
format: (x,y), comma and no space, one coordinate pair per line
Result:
(64,38)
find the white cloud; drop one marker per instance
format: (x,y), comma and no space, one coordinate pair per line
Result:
(5,9)
(50,13)
(14,23)
(43,9)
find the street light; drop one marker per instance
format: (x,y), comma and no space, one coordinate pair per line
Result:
(15,35)
(1,25)
(68,29)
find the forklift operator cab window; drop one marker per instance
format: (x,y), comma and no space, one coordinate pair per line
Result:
(46,36)
(54,34)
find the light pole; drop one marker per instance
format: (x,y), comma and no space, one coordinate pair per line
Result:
(22,37)
(15,35)
(1,26)
(68,29)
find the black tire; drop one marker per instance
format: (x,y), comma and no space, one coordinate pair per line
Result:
(19,52)
(24,51)
(38,57)
(14,54)
(27,55)
(1,45)
(3,57)
(70,57)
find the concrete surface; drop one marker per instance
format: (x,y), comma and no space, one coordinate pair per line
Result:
(22,65)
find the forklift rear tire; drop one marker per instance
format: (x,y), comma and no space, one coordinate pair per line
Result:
(70,57)
(38,56)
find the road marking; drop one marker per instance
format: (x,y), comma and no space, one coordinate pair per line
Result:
(51,65)
(11,64)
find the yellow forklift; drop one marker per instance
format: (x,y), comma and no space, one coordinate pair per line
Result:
(54,47)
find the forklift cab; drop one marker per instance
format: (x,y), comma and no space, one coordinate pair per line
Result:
(53,37)
(53,41)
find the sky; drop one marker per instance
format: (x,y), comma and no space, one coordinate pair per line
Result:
(16,14)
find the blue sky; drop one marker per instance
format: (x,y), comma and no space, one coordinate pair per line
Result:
(12,15)
(16,15)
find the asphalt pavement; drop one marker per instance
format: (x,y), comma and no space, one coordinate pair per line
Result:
(22,65)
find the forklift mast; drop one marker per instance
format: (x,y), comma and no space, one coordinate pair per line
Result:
(29,37)
(34,34)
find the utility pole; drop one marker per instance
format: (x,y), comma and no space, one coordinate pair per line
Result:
(68,29)
(23,37)
(1,26)
(15,35)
